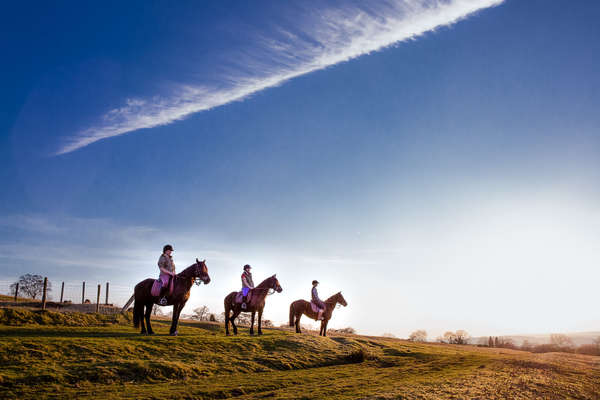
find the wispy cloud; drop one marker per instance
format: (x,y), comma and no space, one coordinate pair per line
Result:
(323,38)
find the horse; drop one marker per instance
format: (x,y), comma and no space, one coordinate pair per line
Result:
(299,307)
(183,282)
(257,303)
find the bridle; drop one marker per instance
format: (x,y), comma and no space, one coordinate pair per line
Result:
(337,303)
(270,290)
(199,270)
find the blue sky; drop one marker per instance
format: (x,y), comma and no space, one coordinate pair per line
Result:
(415,154)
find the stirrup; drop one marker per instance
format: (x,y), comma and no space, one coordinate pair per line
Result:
(163,301)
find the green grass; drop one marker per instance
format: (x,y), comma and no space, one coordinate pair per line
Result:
(43,355)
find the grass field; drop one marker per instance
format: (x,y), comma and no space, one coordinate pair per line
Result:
(53,355)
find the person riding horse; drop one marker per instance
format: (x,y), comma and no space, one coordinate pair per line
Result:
(167,272)
(314,295)
(247,284)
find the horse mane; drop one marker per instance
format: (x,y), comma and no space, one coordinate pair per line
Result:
(330,299)
(264,283)
(186,272)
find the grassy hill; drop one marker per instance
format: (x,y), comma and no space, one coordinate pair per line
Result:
(52,355)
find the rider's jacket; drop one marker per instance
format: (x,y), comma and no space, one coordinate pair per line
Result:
(247,280)
(166,262)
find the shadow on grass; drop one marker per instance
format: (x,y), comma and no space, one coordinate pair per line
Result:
(24,332)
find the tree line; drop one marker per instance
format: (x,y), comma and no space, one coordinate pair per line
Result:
(558,342)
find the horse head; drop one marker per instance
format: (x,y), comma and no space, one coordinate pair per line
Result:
(340,299)
(275,285)
(201,271)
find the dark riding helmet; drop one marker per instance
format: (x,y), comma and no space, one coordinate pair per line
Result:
(315,282)
(247,267)
(167,247)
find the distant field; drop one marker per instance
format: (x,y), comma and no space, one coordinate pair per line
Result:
(51,355)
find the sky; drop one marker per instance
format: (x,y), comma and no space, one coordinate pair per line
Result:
(436,161)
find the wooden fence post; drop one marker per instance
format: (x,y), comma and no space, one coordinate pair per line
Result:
(44,294)
(62,292)
(98,298)
(16,291)
(106,294)
(83,293)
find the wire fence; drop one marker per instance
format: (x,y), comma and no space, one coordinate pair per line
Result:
(71,292)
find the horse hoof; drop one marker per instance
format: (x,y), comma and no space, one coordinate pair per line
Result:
(150,333)
(174,333)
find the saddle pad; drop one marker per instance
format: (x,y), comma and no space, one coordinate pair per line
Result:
(314,307)
(240,296)
(156,286)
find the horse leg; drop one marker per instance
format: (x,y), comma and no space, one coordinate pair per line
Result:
(321,330)
(260,321)
(252,323)
(232,319)
(298,330)
(325,321)
(140,312)
(177,307)
(147,316)
(227,320)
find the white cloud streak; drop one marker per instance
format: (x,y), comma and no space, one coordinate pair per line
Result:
(324,38)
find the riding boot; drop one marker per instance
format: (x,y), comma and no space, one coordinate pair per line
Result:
(163,297)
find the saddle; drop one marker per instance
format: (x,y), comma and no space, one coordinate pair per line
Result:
(239,297)
(314,307)
(157,286)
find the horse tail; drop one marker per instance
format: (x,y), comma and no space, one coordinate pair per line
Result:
(126,306)
(138,310)
(292,314)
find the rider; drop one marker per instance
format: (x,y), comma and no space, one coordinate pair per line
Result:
(316,300)
(167,270)
(247,284)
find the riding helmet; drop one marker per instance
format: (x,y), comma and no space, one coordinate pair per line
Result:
(167,247)
(247,267)
(317,282)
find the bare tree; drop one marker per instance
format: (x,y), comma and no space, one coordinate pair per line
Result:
(458,337)
(506,342)
(449,337)
(491,342)
(31,285)
(243,319)
(201,313)
(561,340)
(462,337)
(418,336)
(267,323)
(156,310)
(526,345)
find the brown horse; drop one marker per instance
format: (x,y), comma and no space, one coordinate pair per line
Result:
(257,303)
(181,293)
(300,307)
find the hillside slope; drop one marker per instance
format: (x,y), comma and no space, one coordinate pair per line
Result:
(41,357)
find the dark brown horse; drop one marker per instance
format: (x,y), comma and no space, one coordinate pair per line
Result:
(257,303)
(300,307)
(181,293)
